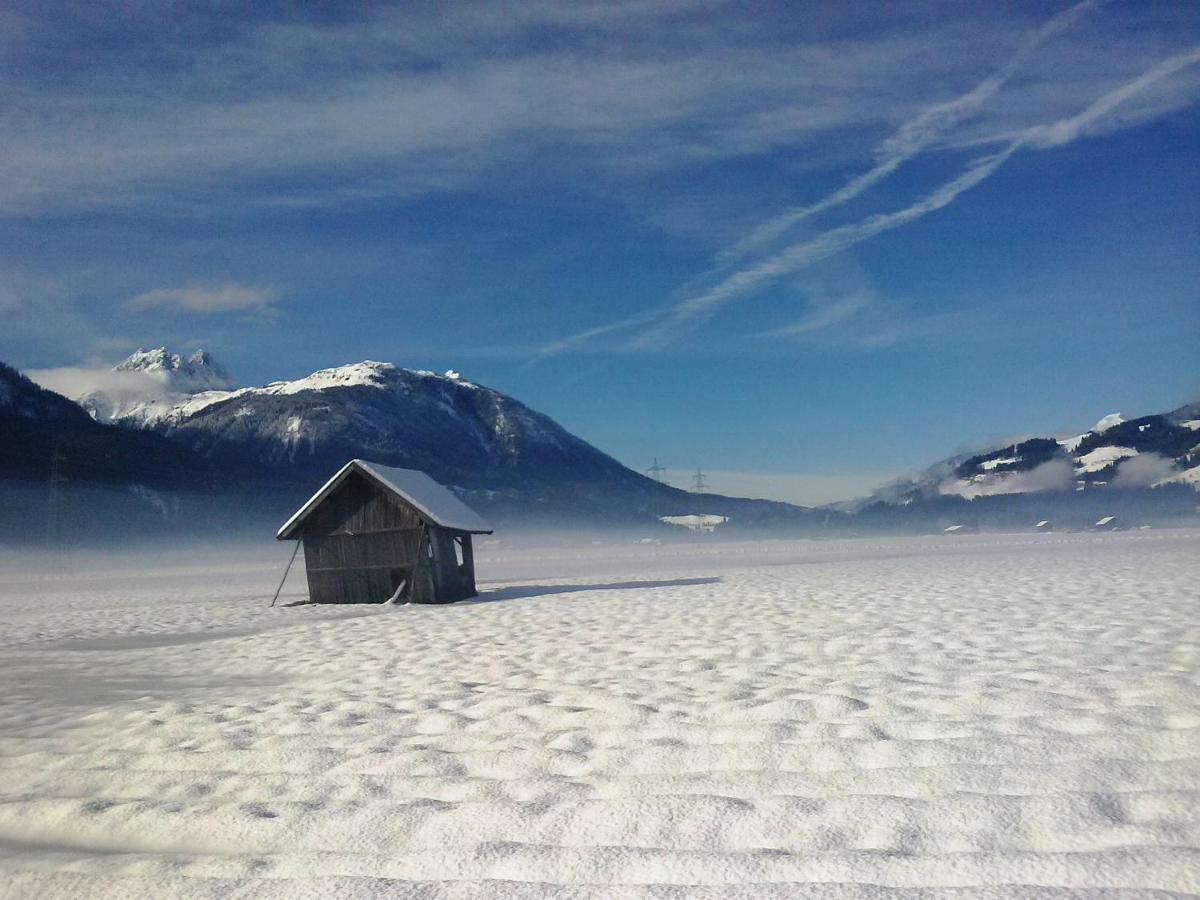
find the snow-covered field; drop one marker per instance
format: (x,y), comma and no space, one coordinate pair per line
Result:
(909,717)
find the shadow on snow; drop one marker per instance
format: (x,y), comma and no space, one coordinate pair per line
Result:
(524,591)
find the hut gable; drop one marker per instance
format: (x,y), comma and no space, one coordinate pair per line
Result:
(357,506)
(432,501)
(375,533)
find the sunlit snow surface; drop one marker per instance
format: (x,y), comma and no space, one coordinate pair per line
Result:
(830,719)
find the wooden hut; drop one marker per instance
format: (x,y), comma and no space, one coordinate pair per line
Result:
(375,533)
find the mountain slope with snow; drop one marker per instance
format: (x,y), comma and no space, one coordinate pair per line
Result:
(492,447)
(1115,453)
(47,438)
(467,434)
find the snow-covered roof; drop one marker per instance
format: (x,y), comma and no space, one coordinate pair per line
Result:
(431,499)
(1106,520)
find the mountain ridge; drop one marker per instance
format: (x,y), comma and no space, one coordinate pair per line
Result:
(492,448)
(1144,452)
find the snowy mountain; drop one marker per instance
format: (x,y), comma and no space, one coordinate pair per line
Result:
(493,448)
(458,431)
(1115,453)
(196,373)
(155,379)
(46,437)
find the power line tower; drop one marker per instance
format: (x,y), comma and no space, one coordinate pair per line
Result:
(53,498)
(699,482)
(656,472)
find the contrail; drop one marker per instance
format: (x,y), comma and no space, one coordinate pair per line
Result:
(911,138)
(1064,131)
(1054,134)
(687,313)
(702,306)
(564,344)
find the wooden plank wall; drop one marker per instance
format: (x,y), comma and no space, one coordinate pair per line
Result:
(358,506)
(363,541)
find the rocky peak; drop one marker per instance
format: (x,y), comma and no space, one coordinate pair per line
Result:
(198,372)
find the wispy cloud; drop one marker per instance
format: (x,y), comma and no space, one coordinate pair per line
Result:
(825,312)
(1064,131)
(1144,470)
(913,137)
(669,323)
(206,301)
(78,382)
(690,312)
(401,100)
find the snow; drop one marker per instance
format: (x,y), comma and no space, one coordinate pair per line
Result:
(1101,458)
(1110,421)
(990,464)
(1192,424)
(1187,476)
(177,405)
(1072,444)
(366,374)
(1007,717)
(436,502)
(199,372)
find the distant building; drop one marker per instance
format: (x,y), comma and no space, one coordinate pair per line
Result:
(961,529)
(375,533)
(1043,525)
(707,523)
(1108,523)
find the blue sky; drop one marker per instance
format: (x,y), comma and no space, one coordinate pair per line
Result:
(803,248)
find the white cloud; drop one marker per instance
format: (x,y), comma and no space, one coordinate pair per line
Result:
(1144,470)
(238,111)
(226,298)
(1053,475)
(123,388)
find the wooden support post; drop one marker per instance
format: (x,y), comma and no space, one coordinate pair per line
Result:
(295,550)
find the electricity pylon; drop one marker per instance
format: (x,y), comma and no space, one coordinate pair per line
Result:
(656,472)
